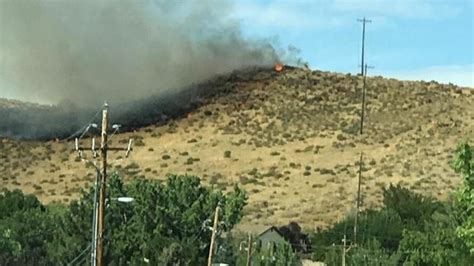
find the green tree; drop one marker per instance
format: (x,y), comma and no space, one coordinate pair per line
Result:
(464,164)
(164,224)
(228,249)
(280,254)
(384,225)
(413,208)
(372,254)
(25,228)
(436,244)
(382,229)
(331,256)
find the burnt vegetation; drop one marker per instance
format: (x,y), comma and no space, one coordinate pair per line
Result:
(33,121)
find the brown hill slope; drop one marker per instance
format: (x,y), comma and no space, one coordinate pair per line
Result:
(291,139)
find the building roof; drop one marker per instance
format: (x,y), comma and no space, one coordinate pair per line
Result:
(272,228)
(298,242)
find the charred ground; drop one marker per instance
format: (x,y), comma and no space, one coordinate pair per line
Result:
(23,120)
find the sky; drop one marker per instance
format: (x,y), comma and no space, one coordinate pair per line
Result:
(406,39)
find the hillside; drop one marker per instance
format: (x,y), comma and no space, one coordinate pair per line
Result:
(290,139)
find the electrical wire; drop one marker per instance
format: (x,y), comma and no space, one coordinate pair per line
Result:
(379,237)
(81,262)
(80,255)
(85,131)
(367,250)
(86,126)
(113,134)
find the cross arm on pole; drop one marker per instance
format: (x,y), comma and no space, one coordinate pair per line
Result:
(364,20)
(367,67)
(94,150)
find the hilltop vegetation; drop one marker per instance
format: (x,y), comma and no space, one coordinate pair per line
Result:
(290,139)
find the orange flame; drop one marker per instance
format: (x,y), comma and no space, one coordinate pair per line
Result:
(278,67)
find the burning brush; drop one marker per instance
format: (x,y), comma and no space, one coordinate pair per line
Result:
(278,67)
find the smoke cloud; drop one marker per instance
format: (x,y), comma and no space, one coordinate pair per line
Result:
(89,51)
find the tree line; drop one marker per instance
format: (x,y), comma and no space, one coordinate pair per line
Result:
(167,224)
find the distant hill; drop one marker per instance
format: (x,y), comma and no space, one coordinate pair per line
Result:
(290,138)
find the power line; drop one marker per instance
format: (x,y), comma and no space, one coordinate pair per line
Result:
(379,237)
(80,254)
(84,128)
(117,128)
(81,262)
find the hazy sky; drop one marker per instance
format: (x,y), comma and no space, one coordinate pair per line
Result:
(407,39)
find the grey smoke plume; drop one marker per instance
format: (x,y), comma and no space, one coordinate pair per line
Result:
(89,50)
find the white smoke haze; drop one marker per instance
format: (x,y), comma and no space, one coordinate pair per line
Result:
(88,51)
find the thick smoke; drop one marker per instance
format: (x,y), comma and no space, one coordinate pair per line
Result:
(64,121)
(88,51)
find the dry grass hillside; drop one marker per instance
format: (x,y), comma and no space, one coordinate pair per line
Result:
(290,139)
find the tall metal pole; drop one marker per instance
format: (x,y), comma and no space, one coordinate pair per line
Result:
(344,251)
(94,222)
(364,20)
(363,101)
(213,237)
(363,97)
(360,162)
(103,186)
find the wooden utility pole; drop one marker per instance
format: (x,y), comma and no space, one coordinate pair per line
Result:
(358,200)
(344,250)
(249,251)
(101,185)
(364,20)
(213,237)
